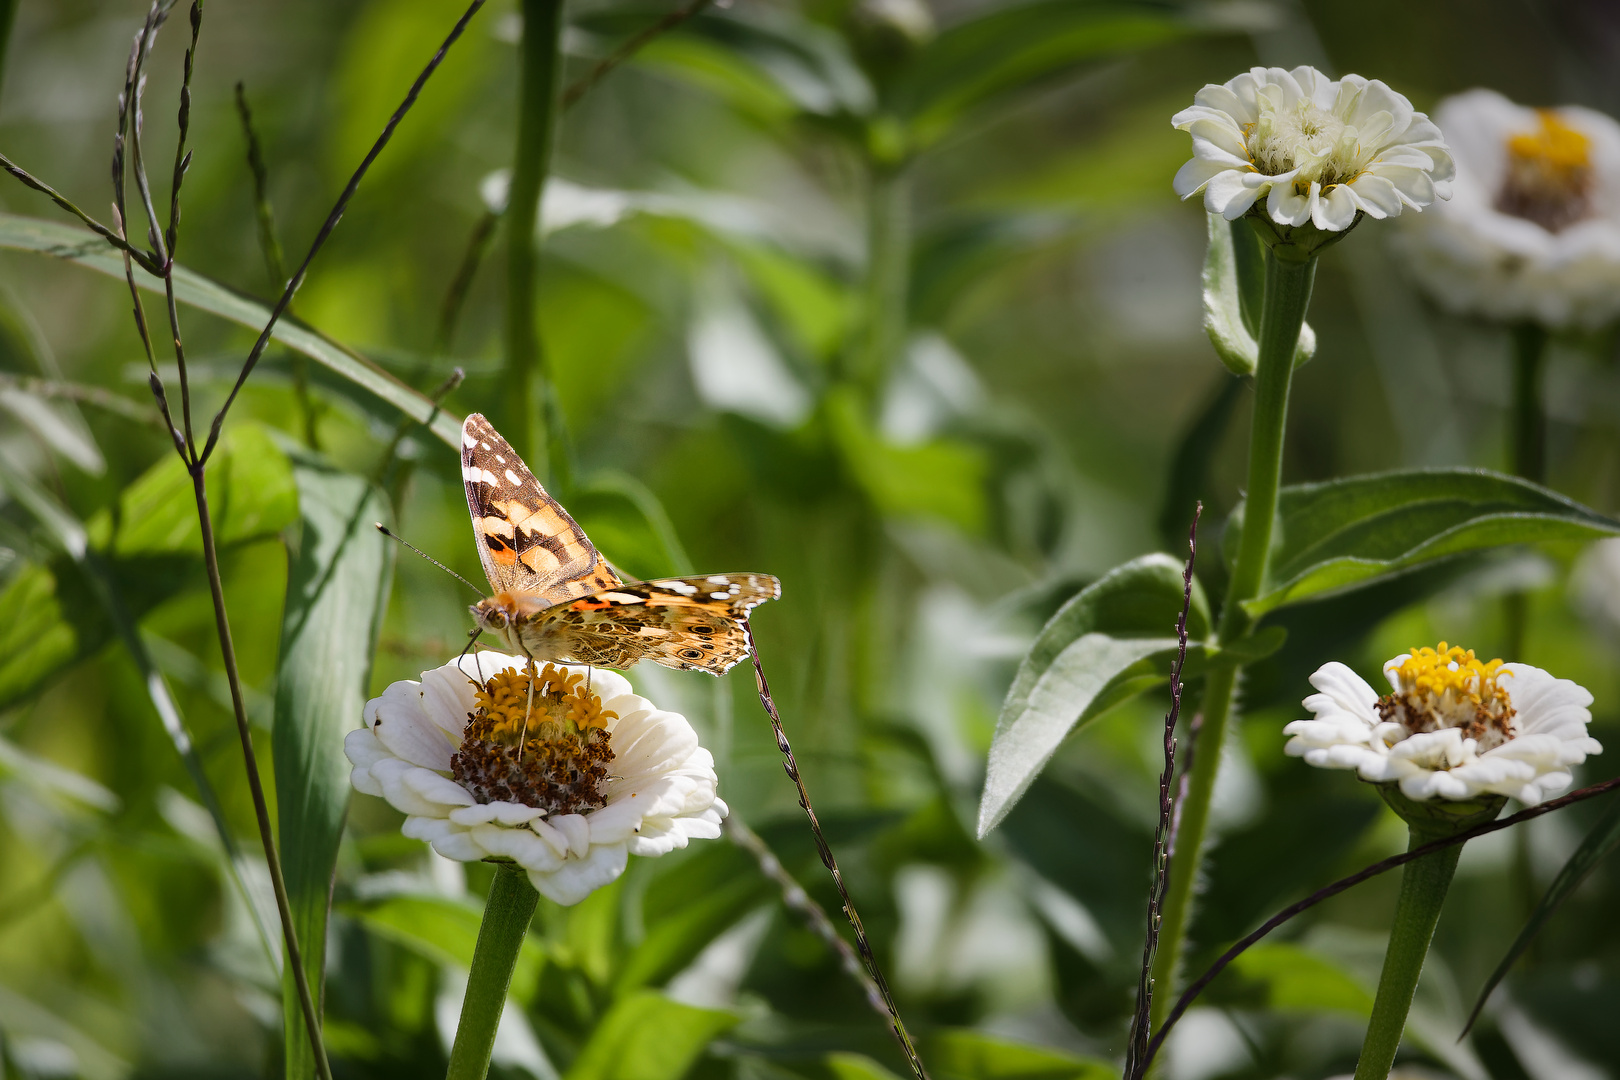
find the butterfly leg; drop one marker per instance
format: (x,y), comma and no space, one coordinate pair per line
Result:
(523,740)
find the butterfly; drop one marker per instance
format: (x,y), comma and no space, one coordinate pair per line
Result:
(555,597)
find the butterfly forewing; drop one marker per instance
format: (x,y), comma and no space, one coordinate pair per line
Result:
(528,543)
(694,622)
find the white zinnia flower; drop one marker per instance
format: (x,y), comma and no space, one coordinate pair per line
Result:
(1533,227)
(1317,150)
(1454,727)
(566,785)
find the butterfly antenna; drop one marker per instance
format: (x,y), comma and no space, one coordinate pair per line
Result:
(472,639)
(395,536)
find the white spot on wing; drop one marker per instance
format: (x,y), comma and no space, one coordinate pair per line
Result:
(512,478)
(681,587)
(720,595)
(717,579)
(476,475)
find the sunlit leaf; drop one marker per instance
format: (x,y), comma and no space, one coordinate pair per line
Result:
(336,589)
(35,634)
(1110,642)
(675,941)
(73,244)
(1346,533)
(959,1054)
(1011,49)
(444,930)
(1598,844)
(941,478)
(646,1036)
(251,495)
(1297,979)
(1234,292)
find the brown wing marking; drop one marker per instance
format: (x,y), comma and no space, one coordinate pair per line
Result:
(689,623)
(526,540)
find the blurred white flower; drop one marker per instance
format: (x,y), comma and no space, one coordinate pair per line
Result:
(1532,230)
(1317,150)
(567,785)
(1453,727)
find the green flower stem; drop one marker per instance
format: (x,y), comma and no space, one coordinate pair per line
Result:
(507,912)
(1423,893)
(1289,277)
(528,425)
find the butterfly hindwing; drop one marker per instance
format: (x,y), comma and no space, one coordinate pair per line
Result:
(528,543)
(695,622)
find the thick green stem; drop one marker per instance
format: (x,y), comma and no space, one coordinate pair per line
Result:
(888,273)
(1423,893)
(1288,294)
(507,912)
(1529,416)
(529,413)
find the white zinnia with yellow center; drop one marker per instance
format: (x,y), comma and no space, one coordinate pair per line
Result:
(1533,227)
(566,782)
(1315,149)
(1453,727)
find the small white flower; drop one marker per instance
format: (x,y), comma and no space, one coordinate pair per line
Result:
(1453,727)
(1317,150)
(566,785)
(1533,227)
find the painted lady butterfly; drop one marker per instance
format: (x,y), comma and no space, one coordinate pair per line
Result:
(555,597)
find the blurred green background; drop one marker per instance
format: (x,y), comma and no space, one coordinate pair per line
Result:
(891,299)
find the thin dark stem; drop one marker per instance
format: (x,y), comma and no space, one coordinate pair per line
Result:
(628,49)
(1141,1023)
(791,767)
(331,222)
(1529,412)
(794,898)
(1330,891)
(147,262)
(294,959)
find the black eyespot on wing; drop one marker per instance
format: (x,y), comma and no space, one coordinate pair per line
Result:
(692,654)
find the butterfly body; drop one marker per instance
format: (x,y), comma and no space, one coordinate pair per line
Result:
(556,599)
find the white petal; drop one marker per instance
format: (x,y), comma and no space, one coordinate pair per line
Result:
(520,845)
(576,829)
(578,878)
(362,748)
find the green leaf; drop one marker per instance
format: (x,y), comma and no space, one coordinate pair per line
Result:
(960,1054)
(646,1036)
(445,931)
(1234,291)
(1343,534)
(336,590)
(1600,841)
(1299,980)
(76,245)
(36,638)
(1109,643)
(847,1066)
(674,942)
(983,60)
(940,479)
(251,496)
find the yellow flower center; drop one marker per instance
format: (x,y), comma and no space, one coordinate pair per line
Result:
(1549,174)
(1450,687)
(536,739)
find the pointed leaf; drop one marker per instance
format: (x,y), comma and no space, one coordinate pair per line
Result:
(336,589)
(81,246)
(1234,291)
(1597,846)
(646,1036)
(1343,534)
(1109,643)
(960,1054)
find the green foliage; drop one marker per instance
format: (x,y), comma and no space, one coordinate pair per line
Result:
(336,590)
(646,1036)
(1345,534)
(1112,641)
